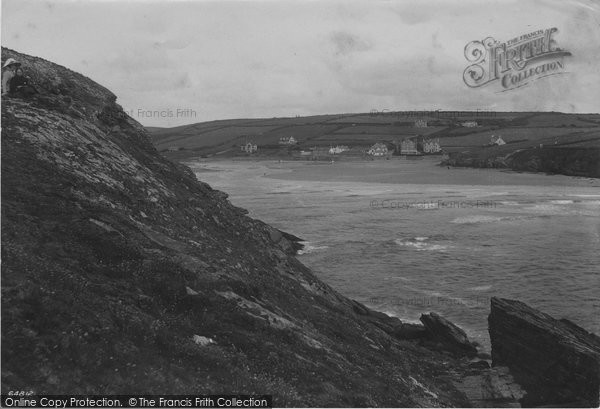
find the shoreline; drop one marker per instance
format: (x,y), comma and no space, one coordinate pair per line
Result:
(416,172)
(354,179)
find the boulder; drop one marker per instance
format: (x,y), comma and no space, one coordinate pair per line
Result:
(556,362)
(441,330)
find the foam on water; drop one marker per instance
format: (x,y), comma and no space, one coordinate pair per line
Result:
(421,244)
(481,288)
(562,202)
(478,218)
(566,208)
(309,248)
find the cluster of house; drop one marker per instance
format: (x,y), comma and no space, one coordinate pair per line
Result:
(409,146)
(496,141)
(287,140)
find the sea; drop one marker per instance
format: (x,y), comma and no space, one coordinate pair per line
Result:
(411,237)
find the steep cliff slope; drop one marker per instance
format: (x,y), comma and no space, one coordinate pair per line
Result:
(555,361)
(123,273)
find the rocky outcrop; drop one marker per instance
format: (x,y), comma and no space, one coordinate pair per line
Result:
(491,388)
(555,361)
(572,161)
(410,331)
(122,273)
(564,160)
(448,334)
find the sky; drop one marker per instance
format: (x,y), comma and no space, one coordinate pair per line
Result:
(177,62)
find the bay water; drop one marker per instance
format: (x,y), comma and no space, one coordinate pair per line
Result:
(409,237)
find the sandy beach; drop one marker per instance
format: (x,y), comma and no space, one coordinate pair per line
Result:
(402,171)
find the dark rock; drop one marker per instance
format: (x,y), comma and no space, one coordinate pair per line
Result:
(410,331)
(479,365)
(490,388)
(565,160)
(289,243)
(447,333)
(359,309)
(576,328)
(556,362)
(295,242)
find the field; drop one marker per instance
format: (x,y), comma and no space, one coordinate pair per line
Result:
(520,130)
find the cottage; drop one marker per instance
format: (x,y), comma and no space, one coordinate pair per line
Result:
(249,147)
(469,124)
(408,147)
(287,140)
(497,140)
(431,145)
(379,149)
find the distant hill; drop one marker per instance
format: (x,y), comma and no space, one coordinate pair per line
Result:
(519,129)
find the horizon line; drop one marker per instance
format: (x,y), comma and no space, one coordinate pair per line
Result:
(370,113)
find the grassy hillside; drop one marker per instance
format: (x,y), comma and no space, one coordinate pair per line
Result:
(521,130)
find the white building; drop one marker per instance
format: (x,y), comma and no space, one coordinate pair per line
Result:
(408,147)
(420,123)
(338,149)
(379,149)
(431,145)
(497,140)
(287,140)
(469,124)
(249,147)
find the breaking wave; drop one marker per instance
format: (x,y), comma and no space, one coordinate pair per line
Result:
(309,248)
(421,244)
